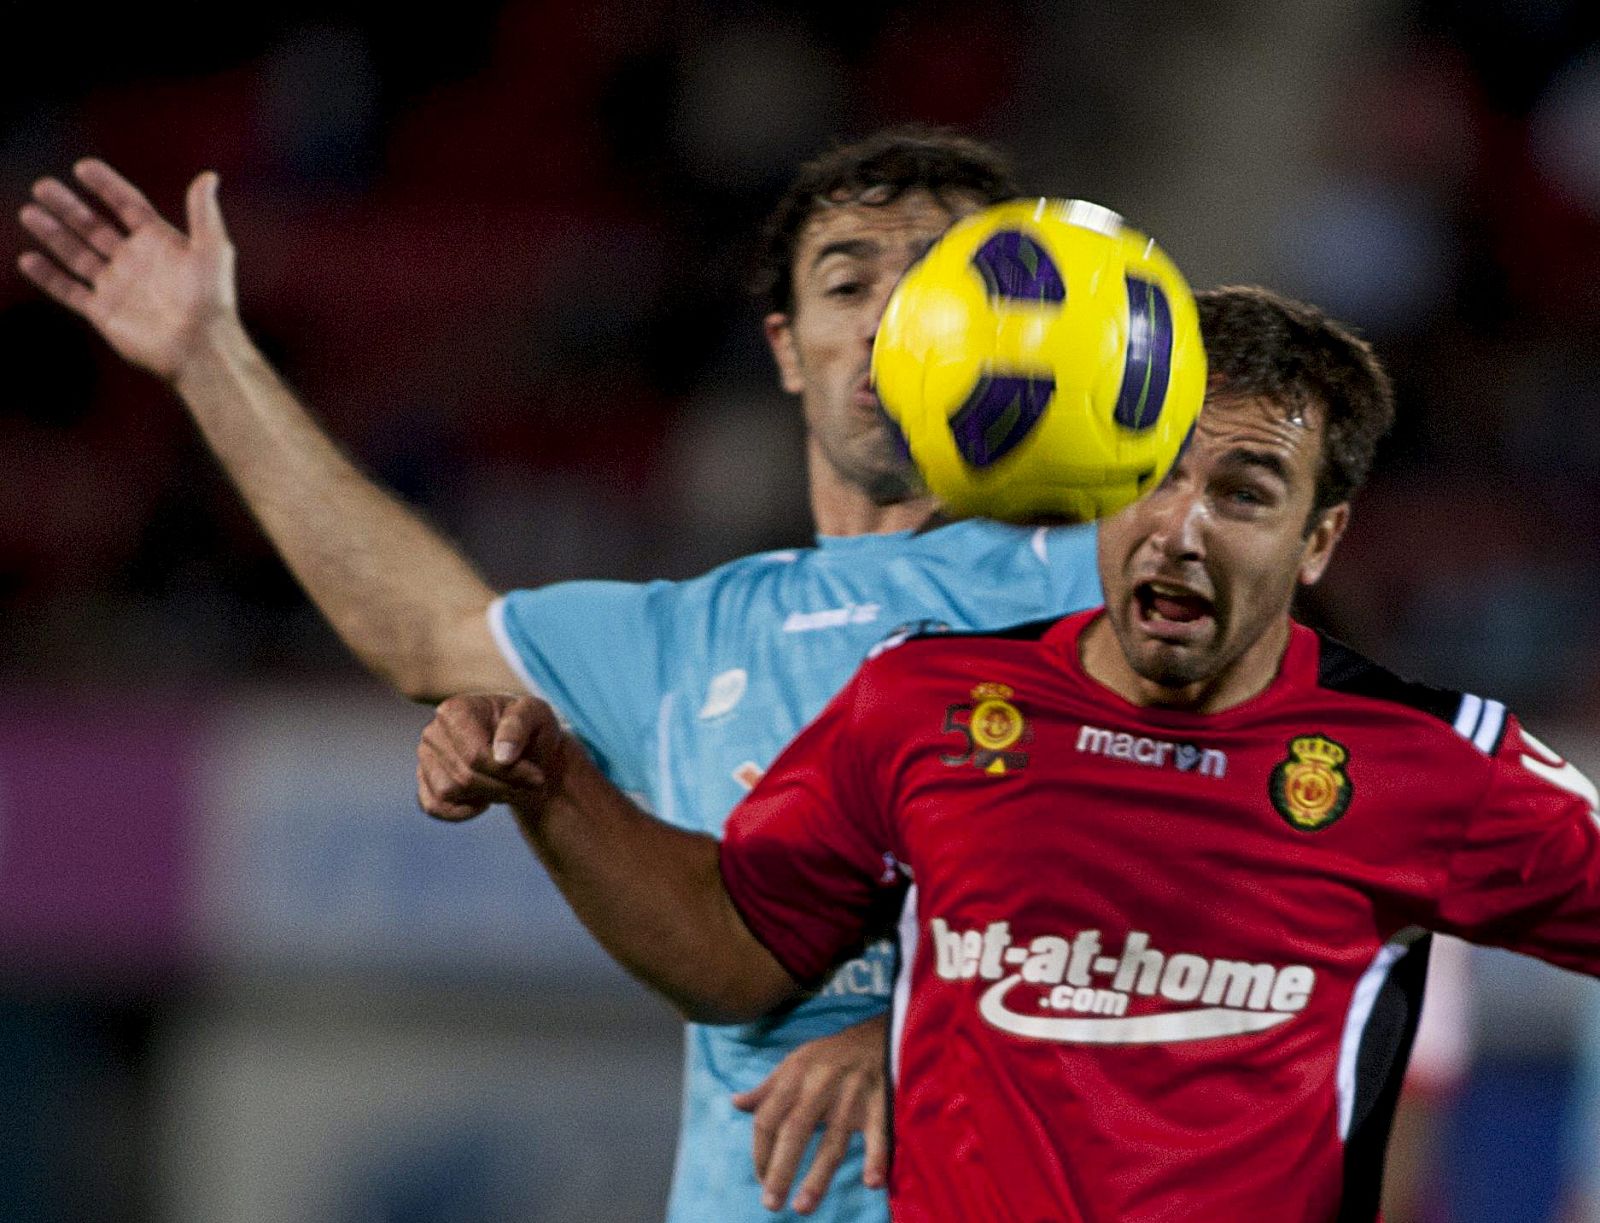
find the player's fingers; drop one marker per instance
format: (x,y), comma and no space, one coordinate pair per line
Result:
(457,770)
(466,723)
(446,802)
(454,813)
(778,1095)
(875,1169)
(433,770)
(72,294)
(126,202)
(459,779)
(787,1153)
(528,730)
(526,773)
(70,250)
(830,1151)
(547,744)
(204,212)
(789,1142)
(437,743)
(440,807)
(514,730)
(93,227)
(749,1101)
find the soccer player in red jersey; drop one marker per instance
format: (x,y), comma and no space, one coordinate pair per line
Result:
(1163,873)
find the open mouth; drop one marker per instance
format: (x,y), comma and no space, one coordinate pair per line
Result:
(1172,611)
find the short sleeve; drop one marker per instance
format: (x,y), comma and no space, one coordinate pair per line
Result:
(806,856)
(1069,553)
(595,651)
(1526,874)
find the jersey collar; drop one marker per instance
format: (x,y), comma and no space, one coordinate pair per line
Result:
(843,543)
(1296,669)
(840,543)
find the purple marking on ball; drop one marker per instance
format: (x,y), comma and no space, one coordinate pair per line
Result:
(1014,266)
(1000,412)
(1183,446)
(1147,364)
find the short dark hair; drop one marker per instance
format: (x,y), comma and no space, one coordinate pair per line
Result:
(1261,344)
(877,170)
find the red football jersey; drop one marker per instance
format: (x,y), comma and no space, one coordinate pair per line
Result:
(1155,965)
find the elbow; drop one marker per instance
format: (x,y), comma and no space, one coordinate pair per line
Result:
(431,675)
(433,667)
(739,997)
(415,683)
(409,669)
(432,659)
(721,1011)
(420,690)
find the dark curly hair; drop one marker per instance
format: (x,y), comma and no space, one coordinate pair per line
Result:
(1260,344)
(877,170)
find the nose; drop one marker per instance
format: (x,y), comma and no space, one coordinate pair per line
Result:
(873,314)
(1177,527)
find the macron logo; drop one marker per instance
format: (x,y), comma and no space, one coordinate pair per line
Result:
(834,617)
(1152,753)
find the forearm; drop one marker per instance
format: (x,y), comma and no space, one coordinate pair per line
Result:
(653,896)
(408,605)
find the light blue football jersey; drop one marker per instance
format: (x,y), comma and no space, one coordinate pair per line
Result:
(686,691)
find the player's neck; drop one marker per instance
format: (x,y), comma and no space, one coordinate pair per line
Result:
(1247,676)
(842,508)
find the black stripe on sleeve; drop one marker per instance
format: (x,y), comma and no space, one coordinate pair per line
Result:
(1380,1070)
(1341,669)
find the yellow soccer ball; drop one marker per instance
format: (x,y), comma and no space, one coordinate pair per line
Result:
(1043,363)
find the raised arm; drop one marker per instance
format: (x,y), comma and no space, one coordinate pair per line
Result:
(406,602)
(650,893)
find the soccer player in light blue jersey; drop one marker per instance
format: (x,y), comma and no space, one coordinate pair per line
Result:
(684,691)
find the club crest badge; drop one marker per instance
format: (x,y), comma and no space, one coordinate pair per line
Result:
(1310,788)
(992,727)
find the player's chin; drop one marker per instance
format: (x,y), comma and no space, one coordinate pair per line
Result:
(1171,666)
(1170,653)
(887,477)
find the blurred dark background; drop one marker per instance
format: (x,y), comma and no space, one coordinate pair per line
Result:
(502,249)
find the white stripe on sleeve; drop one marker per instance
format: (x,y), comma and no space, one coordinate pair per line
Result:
(902,982)
(502,639)
(1362,1001)
(1467,715)
(1494,717)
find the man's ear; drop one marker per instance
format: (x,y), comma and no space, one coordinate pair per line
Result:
(780,338)
(1321,540)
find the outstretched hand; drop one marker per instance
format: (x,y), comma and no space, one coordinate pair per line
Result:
(835,1083)
(150,289)
(483,749)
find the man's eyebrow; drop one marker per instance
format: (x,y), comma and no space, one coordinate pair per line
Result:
(855,248)
(1268,460)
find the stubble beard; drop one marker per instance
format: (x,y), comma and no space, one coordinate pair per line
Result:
(1169,668)
(874,464)
(1173,668)
(892,487)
